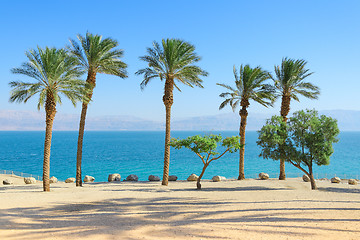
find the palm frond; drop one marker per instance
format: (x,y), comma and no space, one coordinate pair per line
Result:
(174,59)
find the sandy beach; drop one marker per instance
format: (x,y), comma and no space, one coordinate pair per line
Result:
(249,209)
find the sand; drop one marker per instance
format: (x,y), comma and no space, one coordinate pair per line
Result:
(249,209)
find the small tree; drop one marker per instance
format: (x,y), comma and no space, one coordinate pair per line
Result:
(207,145)
(306,140)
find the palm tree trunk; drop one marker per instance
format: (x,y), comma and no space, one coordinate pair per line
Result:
(243,114)
(285,109)
(91,80)
(50,108)
(168,100)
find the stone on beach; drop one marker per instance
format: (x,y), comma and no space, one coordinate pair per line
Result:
(114,177)
(88,178)
(263,176)
(193,177)
(172,178)
(7,182)
(306,178)
(29,180)
(154,178)
(353,182)
(132,177)
(70,180)
(218,178)
(53,179)
(335,180)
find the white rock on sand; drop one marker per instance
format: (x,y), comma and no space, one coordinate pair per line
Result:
(352,182)
(88,178)
(335,180)
(7,182)
(173,178)
(114,177)
(193,177)
(154,178)
(218,178)
(29,180)
(132,178)
(70,180)
(53,179)
(306,178)
(263,176)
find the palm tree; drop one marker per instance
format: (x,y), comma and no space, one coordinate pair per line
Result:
(289,83)
(95,55)
(170,61)
(250,85)
(55,72)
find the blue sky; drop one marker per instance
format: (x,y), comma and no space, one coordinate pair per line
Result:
(325,33)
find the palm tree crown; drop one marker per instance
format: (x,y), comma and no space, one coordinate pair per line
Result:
(249,84)
(172,60)
(289,79)
(54,71)
(98,55)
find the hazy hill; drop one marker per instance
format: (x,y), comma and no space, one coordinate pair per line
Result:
(31,120)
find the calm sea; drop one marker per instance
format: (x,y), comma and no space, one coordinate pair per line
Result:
(141,153)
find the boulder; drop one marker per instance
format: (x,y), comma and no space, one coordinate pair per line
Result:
(88,178)
(306,178)
(114,177)
(132,177)
(172,178)
(53,179)
(193,177)
(335,180)
(218,178)
(263,176)
(7,182)
(353,182)
(29,180)
(70,180)
(154,178)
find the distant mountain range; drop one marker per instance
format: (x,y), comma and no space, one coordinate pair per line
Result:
(33,121)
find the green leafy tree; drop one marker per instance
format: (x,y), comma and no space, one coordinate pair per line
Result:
(306,140)
(250,85)
(172,60)
(94,55)
(290,82)
(206,148)
(55,73)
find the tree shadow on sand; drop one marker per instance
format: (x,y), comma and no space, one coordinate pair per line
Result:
(185,217)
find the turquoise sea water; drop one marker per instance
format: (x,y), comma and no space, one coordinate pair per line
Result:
(141,153)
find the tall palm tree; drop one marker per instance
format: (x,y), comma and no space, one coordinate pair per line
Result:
(95,55)
(55,73)
(170,61)
(289,83)
(250,85)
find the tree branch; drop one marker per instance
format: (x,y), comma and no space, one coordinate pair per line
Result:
(202,159)
(299,167)
(219,156)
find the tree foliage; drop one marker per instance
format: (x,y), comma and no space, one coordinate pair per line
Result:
(206,148)
(306,140)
